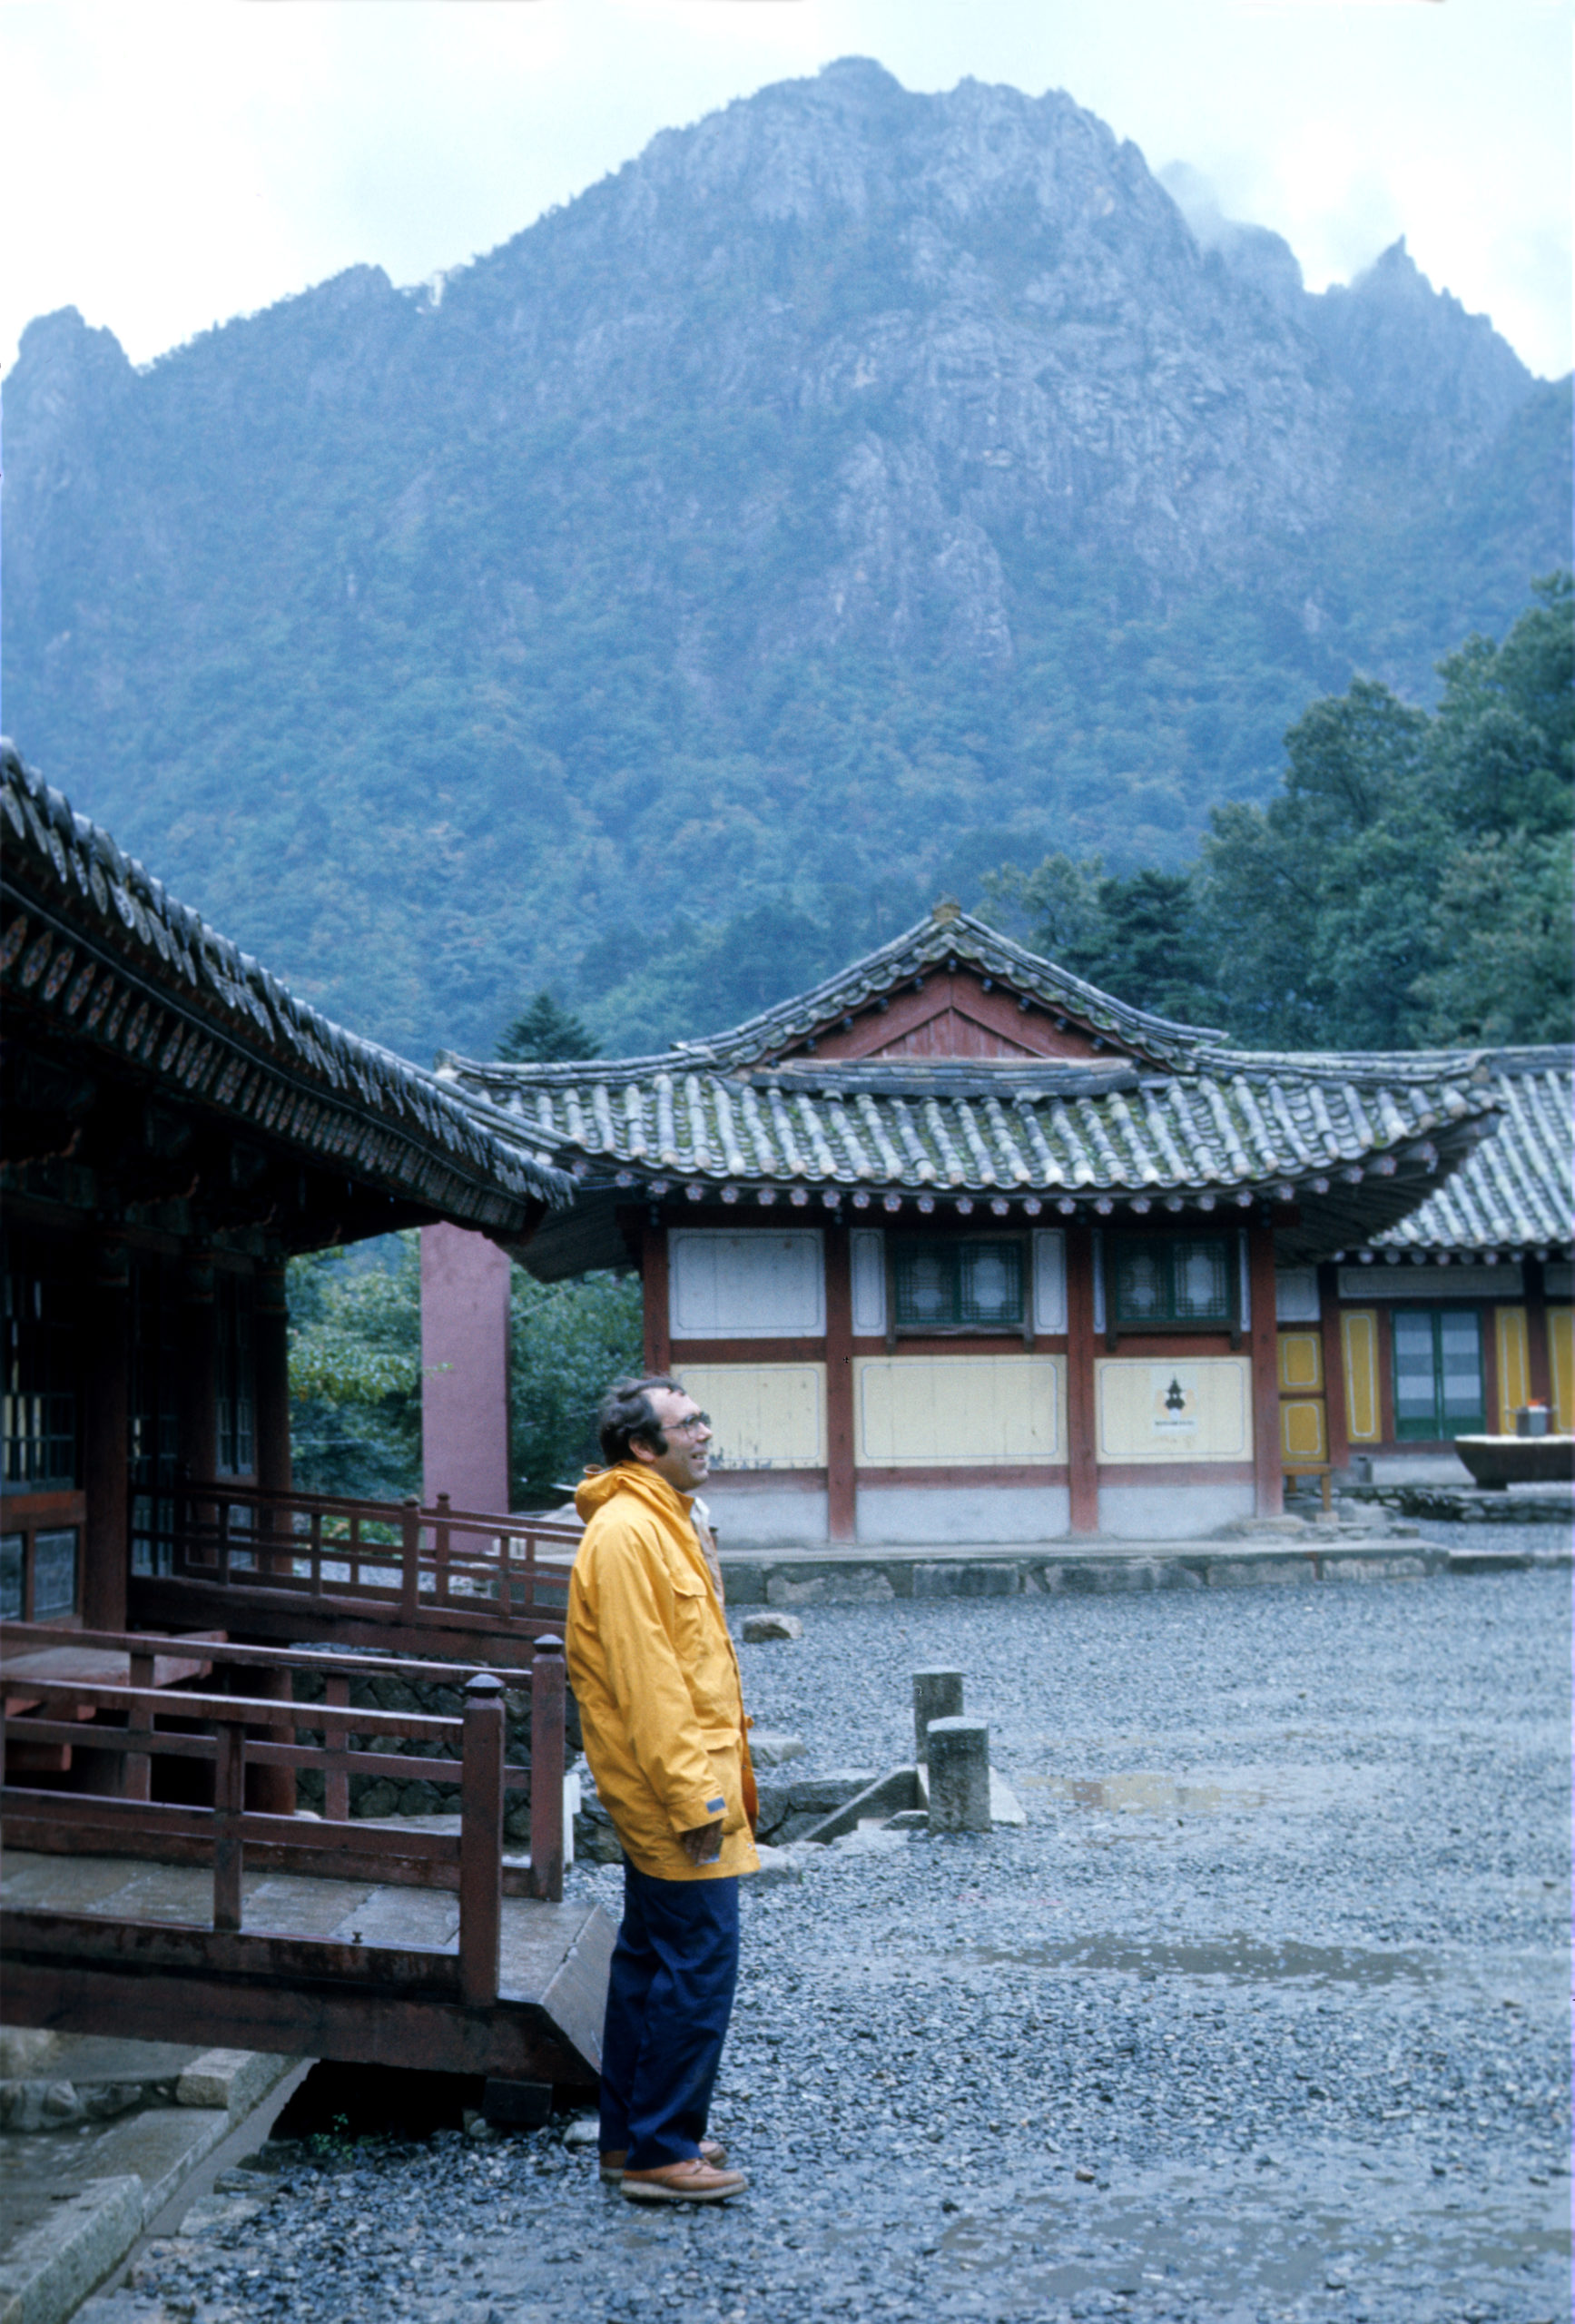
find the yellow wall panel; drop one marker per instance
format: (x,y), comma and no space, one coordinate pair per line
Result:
(765,1415)
(1303,1435)
(1562,1366)
(1301,1363)
(1180,1411)
(1358,1341)
(1514,1371)
(959,1412)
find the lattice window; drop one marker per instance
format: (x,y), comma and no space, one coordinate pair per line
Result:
(963,1285)
(1162,1280)
(40,1385)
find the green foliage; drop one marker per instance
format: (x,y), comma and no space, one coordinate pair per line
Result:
(355,1369)
(567,1342)
(1411,884)
(1140,939)
(544,1033)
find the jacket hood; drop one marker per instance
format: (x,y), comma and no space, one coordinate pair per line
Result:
(600,1485)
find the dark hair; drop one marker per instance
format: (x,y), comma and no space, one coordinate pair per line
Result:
(626,1412)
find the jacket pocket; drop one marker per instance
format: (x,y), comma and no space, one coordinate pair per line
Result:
(727,1770)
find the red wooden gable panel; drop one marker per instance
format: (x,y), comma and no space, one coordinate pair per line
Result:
(953,1016)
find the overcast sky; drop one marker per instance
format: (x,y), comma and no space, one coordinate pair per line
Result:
(171,163)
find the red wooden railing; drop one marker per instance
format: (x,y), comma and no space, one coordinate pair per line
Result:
(222,1730)
(295,1565)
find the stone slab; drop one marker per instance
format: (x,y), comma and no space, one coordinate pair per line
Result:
(50,2268)
(885,1797)
(234,2079)
(855,1576)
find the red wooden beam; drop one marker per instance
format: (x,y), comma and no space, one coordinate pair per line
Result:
(1269,1490)
(1082,1461)
(842,1487)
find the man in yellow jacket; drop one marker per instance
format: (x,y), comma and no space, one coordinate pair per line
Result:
(662,1710)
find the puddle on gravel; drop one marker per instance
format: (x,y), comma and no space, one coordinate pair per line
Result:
(1205,1793)
(1239,1960)
(1165,2238)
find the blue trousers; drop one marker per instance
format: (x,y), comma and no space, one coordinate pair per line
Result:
(669,1998)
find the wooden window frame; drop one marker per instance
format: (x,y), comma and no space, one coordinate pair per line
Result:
(1021,1329)
(1182,1326)
(29,1514)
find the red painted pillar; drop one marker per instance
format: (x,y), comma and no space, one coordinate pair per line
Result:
(1333,1365)
(842,1500)
(1082,1464)
(654,1292)
(1539,1371)
(1268,1473)
(464,1369)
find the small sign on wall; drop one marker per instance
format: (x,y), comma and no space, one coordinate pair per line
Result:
(1173,1412)
(1172,1399)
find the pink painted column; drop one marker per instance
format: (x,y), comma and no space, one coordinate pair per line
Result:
(464,1369)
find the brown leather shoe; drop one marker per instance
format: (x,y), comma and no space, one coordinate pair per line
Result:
(691,2181)
(712,2151)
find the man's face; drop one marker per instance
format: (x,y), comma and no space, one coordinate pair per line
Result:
(686,1461)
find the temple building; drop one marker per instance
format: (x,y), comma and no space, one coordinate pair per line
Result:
(957,1247)
(176,1127)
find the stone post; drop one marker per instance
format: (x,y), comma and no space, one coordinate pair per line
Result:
(937,1694)
(958,1775)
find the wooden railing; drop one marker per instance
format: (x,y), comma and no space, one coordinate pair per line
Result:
(223,1730)
(294,1565)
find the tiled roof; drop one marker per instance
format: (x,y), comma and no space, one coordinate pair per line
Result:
(1374,1150)
(105,955)
(1512,1195)
(1354,1148)
(946,938)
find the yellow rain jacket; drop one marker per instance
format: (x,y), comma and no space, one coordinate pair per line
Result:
(656,1678)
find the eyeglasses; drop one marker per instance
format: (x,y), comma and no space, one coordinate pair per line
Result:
(686,1427)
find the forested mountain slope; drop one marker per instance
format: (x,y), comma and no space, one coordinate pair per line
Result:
(858,489)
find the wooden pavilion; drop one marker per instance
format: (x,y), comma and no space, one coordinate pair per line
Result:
(181,1627)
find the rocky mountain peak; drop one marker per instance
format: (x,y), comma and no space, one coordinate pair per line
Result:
(1404,348)
(858,475)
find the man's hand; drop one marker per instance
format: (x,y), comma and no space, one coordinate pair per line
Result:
(704,1845)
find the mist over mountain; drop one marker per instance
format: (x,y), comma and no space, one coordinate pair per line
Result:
(858,489)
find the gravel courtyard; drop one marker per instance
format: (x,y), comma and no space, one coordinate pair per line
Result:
(1261,2016)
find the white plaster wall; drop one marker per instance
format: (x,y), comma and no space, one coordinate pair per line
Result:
(754,1517)
(1050,1280)
(897,1515)
(867,1253)
(1296,1296)
(923,1412)
(1170,1513)
(767,1283)
(763,1415)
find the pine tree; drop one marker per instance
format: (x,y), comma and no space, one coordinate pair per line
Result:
(545,1033)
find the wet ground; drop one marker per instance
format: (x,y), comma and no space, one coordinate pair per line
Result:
(1261,2016)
